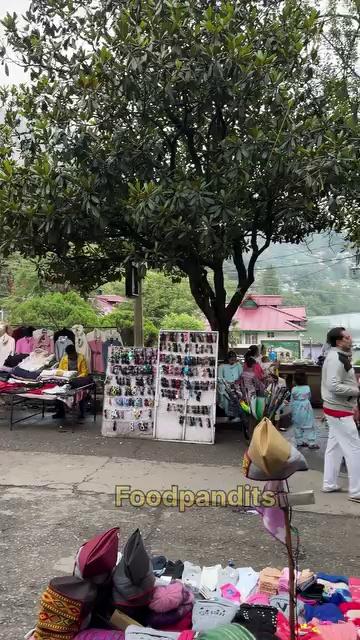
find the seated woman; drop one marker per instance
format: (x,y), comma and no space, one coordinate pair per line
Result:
(72,361)
(252,376)
(253,366)
(230,371)
(254,351)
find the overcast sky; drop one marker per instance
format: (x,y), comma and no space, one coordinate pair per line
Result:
(16,74)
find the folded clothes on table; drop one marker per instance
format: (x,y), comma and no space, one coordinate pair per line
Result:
(174,569)
(247,581)
(37,360)
(335,592)
(269,580)
(351,611)
(13,361)
(8,387)
(45,388)
(23,374)
(57,373)
(57,390)
(327,612)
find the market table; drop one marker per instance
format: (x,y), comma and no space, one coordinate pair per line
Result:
(71,398)
(313,373)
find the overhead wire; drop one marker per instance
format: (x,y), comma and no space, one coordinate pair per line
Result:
(307,251)
(303,264)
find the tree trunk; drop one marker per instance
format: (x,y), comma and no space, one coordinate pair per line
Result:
(223,330)
(211,302)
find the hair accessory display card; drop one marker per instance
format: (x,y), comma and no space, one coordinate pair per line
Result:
(186,386)
(129,393)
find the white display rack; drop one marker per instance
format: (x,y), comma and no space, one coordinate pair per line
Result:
(185,396)
(129,393)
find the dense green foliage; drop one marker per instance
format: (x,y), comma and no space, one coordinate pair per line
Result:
(182,321)
(53,309)
(179,133)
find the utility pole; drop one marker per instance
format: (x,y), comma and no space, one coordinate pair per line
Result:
(133,289)
(139,317)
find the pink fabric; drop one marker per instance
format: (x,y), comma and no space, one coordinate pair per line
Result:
(306,600)
(97,360)
(184,624)
(25,345)
(259,598)
(44,342)
(187,635)
(256,369)
(41,390)
(351,611)
(170,597)
(5,387)
(273,517)
(354,588)
(230,592)
(284,580)
(282,627)
(100,634)
(340,631)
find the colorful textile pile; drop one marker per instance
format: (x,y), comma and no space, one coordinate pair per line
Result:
(65,606)
(255,606)
(169,605)
(269,581)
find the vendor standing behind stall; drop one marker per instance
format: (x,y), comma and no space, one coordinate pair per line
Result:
(72,361)
(230,371)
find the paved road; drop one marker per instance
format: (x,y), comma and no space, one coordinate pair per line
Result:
(35,435)
(58,490)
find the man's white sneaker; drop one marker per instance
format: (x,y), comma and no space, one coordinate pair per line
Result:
(354,499)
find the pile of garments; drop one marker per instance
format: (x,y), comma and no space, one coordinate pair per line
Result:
(21,370)
(37,373)
(129,595)
(93,346)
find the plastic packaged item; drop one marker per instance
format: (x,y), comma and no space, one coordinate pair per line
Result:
(230,592)
(191,576)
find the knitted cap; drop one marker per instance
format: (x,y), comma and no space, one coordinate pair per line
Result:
(227,632)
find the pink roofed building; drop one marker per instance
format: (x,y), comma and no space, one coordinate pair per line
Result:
(263,319)
(107,303)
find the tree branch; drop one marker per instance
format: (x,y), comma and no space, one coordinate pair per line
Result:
(189,135)
(200,288)
(340,54)
(246,277)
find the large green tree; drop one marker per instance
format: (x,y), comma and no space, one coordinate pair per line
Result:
(52,309)
(179,133)
(341,35)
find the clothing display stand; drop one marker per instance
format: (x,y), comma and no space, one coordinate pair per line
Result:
(185,398)
(129,393)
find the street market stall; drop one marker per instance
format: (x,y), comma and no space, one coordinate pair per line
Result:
(186,386)
(122,592)
(167,393)
(129,392)
(48,393)
(34,367)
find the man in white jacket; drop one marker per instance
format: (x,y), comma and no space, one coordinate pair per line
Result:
(340,390)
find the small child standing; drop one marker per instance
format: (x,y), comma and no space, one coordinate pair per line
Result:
(302,412)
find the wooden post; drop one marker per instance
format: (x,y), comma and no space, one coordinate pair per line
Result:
(138,318)
(292,622)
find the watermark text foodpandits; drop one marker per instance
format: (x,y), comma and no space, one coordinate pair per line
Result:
(243,496)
